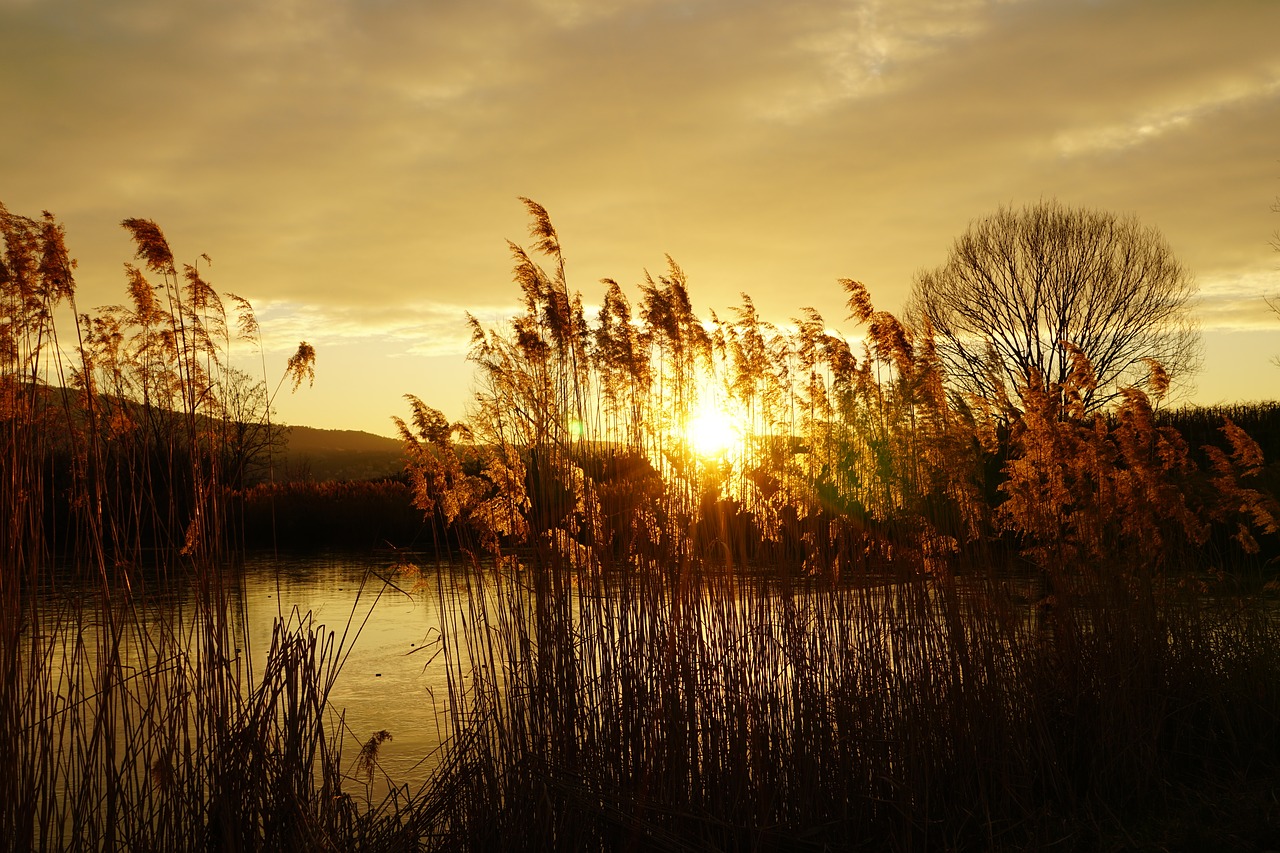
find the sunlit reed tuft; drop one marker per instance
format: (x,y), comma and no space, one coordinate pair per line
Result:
(892,617)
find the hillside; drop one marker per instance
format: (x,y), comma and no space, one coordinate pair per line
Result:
(338,454)
(305,439)
(310,453)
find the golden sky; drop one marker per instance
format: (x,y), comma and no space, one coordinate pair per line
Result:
(353,166)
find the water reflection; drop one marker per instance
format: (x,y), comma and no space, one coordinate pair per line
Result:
(387,624)
(387,628)
(391,676)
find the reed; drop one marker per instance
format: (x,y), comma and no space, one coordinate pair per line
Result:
(879,616)
(836,634)
(636,705)
(120,727)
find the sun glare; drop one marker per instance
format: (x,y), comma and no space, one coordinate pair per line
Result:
(712,431)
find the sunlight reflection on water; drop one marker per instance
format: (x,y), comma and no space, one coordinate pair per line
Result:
(393,674)
(391,678)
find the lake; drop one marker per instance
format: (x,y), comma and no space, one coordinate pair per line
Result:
(392,675)
(388,622)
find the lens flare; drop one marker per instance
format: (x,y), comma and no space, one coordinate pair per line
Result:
(712,432)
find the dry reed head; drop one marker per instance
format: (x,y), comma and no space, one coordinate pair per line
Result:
(302,365)
(860,308)
(1158,378)
(152,246)
(540,228)
(367,760)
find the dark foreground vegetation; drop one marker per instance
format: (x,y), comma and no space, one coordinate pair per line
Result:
(879,617)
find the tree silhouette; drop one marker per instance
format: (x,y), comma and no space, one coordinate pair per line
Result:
(1020,285)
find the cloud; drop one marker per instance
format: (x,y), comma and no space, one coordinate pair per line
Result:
(419,328)
(845,52)
(353,166)
(1239,302)
(1155,123)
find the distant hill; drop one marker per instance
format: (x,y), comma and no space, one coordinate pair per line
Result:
(338,454)
(304,439)
(310,453)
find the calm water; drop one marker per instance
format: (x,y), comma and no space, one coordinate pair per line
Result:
(392,677)
(390,624)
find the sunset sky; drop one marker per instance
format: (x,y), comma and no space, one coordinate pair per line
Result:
(353,166)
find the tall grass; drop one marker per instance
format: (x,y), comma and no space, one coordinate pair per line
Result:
(886,618)
(831,636)
(706,710)
(121,725)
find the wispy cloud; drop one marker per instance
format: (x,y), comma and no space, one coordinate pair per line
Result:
(863,49)
(420,328)
(353,166)
(1181,115)
(1239,302)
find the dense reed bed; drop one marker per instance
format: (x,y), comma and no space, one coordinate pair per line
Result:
(880,617)
(708,710)
(712,585)
(123,726)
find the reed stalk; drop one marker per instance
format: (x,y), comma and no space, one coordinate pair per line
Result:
(833,636)
(127,724)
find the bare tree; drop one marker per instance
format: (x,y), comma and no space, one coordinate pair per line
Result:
(1021,287)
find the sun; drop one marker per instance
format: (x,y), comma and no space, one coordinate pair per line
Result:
(712,431)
